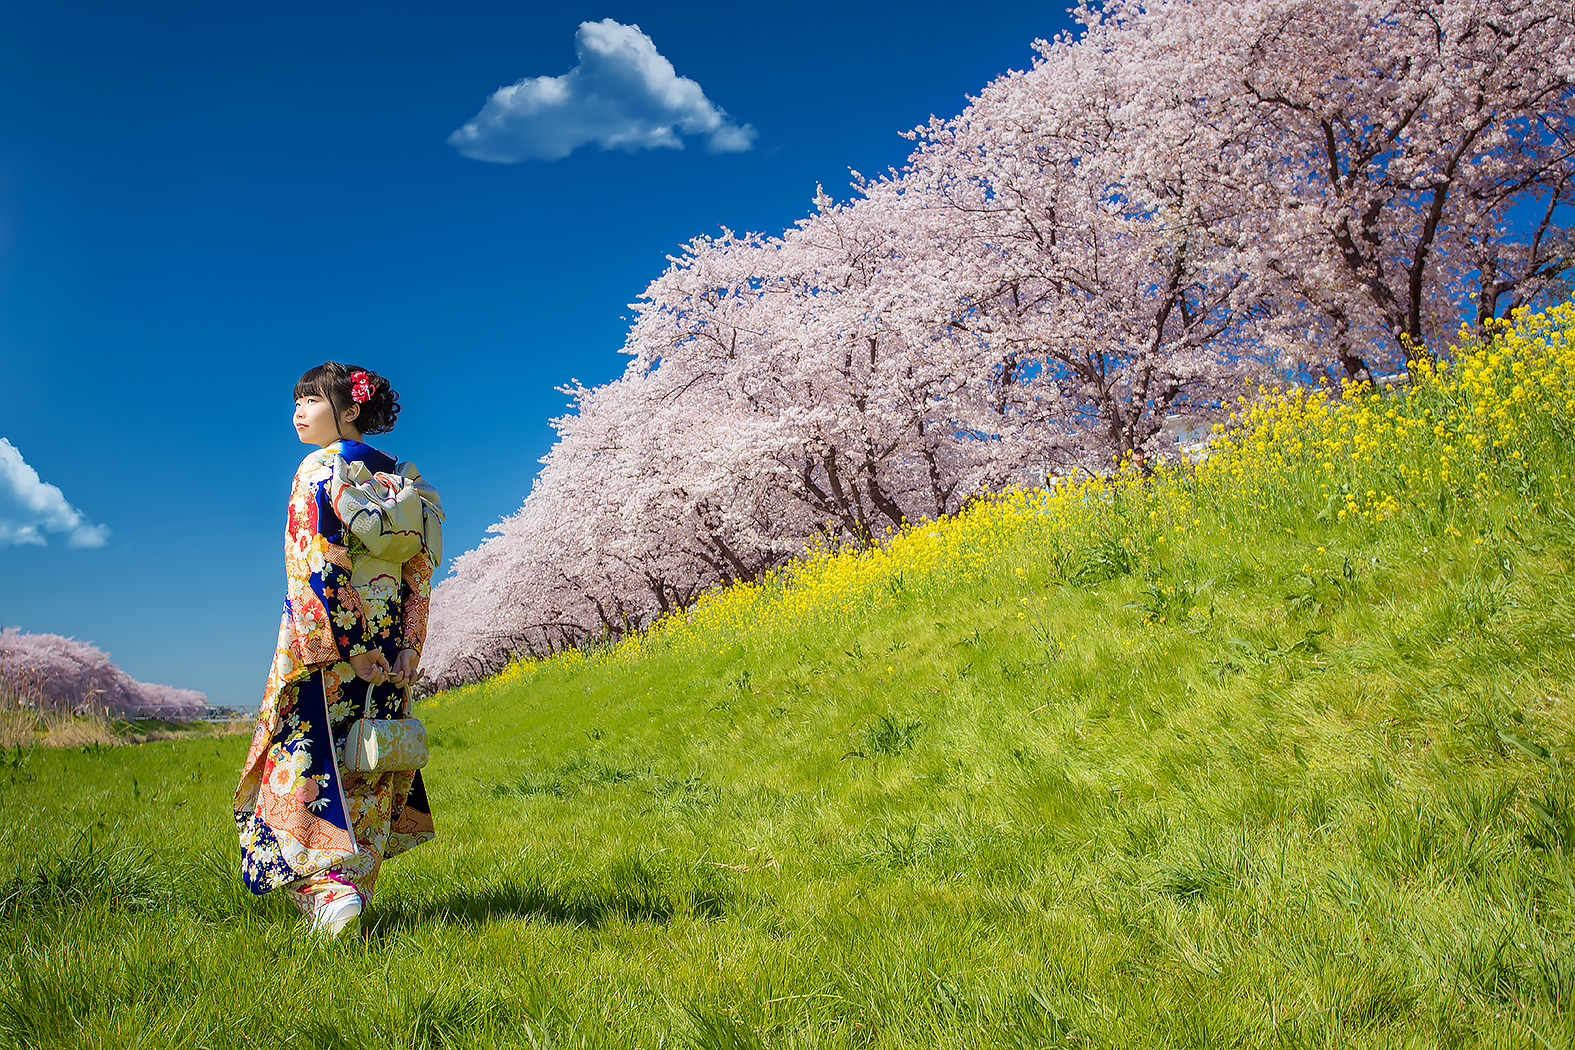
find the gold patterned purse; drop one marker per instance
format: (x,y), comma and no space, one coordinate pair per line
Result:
(384,745)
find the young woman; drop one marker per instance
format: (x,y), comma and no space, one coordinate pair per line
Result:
(352,628)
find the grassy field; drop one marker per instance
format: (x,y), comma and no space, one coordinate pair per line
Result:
(1270,753)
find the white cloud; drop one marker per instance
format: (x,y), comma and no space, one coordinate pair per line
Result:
(622,95)
(30,507)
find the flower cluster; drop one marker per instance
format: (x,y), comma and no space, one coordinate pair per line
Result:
(1462,430)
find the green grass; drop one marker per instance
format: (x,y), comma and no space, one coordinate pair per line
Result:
(1286,779)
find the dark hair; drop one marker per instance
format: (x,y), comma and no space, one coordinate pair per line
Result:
(331,380)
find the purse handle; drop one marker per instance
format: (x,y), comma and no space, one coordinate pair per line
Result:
(366,703)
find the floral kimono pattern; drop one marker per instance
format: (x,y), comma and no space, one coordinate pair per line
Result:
(304,822)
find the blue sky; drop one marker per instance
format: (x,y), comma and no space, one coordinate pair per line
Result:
(199,201)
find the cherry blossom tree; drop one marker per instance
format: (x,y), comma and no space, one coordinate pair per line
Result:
(1379,144)
(820,355)
(55,671)
(775,397)
(1187,195)
(633,512)
(1119,288)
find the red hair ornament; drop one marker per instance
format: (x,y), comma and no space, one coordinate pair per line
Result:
(360,387)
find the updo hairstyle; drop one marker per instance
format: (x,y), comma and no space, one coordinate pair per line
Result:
(331,380)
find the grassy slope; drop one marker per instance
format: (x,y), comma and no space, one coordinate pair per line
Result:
(1200,762)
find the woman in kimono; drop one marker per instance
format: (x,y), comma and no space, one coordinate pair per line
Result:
(352,629)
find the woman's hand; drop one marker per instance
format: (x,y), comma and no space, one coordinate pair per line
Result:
(371,666)
(407,670)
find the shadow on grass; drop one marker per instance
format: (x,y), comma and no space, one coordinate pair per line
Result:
(631,894)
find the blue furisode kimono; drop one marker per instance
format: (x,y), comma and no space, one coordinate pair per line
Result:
(306,824)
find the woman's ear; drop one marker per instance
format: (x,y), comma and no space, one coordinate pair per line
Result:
(351,414)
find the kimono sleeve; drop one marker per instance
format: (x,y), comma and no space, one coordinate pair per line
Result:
(416,593)
(327,620)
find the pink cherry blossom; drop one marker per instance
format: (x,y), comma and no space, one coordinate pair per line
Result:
(1188,196)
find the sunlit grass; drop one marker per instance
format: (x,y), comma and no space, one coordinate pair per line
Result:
(1270,752)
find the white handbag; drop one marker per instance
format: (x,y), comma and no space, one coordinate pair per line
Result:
(385,745)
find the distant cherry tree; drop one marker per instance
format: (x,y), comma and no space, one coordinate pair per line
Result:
(63,673)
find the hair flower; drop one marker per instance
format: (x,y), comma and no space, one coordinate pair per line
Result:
(360,387)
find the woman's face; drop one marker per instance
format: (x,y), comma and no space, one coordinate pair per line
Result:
(314,421)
